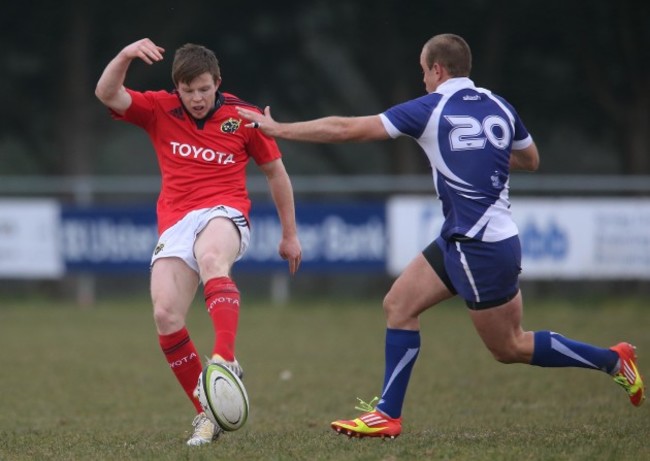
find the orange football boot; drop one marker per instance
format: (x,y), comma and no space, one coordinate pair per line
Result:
(628,376)
(372,423)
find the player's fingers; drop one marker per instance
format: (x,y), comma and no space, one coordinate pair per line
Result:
(294,261)
(145,58)
(294,264)
(250,115)
(151,55)
(157,52)
(149,52)
(247,114)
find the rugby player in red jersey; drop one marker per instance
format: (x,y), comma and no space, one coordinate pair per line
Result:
(203,206)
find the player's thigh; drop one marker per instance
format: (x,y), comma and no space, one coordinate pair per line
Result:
(217,247)
(418,288)
(173,287)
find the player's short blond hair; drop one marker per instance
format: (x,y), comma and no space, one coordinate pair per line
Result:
(451,52)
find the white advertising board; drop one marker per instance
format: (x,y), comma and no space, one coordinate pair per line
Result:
(562,238)
(29,239)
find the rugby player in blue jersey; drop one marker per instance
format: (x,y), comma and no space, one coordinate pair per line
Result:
(473,138)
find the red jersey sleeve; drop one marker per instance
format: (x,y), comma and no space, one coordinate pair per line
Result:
(141,111)
(262,148)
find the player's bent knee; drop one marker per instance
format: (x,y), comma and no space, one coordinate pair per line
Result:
(167,320)
(505,358)
(397,314)
(391,309)
(505,354)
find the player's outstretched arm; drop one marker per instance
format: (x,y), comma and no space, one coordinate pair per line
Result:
(324,130)
(110,87)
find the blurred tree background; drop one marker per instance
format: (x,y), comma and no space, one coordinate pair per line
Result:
(578,72)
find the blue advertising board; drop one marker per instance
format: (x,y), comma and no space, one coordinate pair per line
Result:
(108,239)
(334,237)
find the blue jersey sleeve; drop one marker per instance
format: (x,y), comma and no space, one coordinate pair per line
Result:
(520,131)
(411,118)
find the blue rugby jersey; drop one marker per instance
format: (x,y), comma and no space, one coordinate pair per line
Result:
(467,134)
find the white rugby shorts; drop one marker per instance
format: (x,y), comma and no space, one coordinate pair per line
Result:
(178,240)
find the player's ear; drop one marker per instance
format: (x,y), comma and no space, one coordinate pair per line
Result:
(439,71)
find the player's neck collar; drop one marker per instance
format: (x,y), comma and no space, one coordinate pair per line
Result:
(218,102)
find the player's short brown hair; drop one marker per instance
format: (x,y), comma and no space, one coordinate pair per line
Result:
(192,60)
(450,51)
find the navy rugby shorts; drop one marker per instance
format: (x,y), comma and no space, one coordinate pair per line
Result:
(484,274)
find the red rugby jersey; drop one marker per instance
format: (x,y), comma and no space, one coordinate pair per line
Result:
(202,163)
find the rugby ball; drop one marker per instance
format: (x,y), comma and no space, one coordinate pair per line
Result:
(223,397)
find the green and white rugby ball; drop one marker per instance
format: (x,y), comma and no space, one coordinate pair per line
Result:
(223,397)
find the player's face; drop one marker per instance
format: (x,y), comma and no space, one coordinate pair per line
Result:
(199,95)
(431,76)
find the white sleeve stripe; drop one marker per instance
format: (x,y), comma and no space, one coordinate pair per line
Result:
(392,131)
(522,143)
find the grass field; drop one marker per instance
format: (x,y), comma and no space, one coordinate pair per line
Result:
(92,385)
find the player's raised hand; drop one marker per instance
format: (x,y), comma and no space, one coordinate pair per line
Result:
(262,122)
(110,87)
(144,49)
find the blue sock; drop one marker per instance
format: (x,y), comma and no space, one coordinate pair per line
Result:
(402,348)
(554,350)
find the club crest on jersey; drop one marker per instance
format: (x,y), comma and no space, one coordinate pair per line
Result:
(159,248)
(231,125)
(496,180)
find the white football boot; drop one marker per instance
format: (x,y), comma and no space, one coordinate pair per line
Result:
(233,366)
(204,431)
